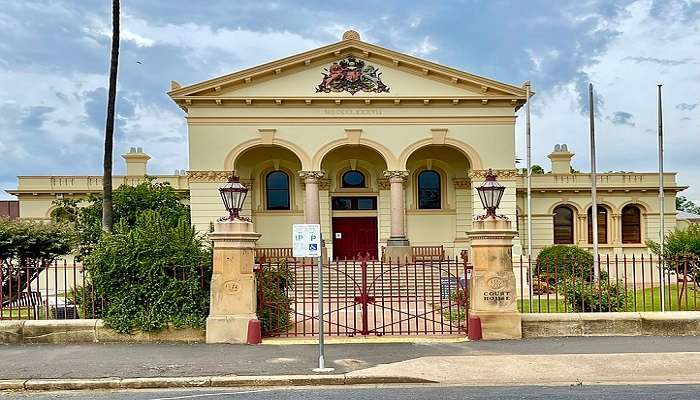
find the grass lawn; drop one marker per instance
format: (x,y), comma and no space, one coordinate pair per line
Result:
(543,305)
(17,313)
(644,299)
(641,298)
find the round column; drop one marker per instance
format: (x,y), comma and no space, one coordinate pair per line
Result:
(397,246)
(312,206)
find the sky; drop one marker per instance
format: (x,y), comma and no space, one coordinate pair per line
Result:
(54,62)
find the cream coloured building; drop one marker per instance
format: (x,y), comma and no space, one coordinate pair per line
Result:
(384,150)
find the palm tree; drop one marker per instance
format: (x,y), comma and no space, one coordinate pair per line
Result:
(107,209)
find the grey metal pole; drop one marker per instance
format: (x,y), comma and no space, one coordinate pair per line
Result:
(594,179)
(321,344)
(662,213)
(529,191)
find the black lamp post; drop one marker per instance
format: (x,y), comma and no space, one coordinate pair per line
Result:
(490,193)
(233,194)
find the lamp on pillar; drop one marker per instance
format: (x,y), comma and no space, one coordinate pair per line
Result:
(233,195)
(233,296)
(490,193)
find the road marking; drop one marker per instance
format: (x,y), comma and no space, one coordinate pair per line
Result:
(194,396)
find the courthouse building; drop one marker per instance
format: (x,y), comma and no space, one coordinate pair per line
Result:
(385,151)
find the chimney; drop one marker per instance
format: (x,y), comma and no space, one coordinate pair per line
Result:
(561,159)
(136,161)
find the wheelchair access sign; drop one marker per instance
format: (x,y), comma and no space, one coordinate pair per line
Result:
(306,240)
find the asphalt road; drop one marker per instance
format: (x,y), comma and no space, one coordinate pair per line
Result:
(145,360)
(632,392)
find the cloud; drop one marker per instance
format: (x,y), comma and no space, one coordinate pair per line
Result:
(660,61)
(424,48)
(621,118)
(34,117)
(686,106)
(54,60)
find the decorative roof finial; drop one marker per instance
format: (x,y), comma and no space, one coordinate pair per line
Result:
(351,35)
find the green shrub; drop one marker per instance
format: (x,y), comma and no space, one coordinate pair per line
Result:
(274,304)
(152,274)
(456,311)
(558,263)
(602,297)
(84,297)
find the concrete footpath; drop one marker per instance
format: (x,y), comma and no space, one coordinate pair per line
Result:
(560,360)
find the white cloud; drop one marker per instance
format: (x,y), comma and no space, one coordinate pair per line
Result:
(630,86)
(424,48)
(221,50)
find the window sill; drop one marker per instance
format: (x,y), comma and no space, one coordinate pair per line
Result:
(278,212)
(444,211)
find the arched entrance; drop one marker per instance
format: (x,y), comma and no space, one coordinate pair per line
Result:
(354,177)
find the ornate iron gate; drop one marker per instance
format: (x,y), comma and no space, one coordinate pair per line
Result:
(364,297)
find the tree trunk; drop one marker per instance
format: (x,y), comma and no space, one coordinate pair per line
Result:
(107,209)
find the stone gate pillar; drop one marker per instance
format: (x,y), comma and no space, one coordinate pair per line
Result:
(233,289)
(492,291)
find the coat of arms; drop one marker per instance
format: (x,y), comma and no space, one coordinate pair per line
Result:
(351,75)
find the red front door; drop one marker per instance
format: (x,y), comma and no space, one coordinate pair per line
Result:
(353,235)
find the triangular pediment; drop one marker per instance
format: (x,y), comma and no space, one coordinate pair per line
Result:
(385,75)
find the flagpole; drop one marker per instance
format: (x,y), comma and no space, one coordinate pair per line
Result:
(529,189)
(662,213)
(594,194)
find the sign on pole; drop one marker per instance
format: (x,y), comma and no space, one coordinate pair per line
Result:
(306,240)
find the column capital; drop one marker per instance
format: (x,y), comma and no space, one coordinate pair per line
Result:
(311,176)
(396,176)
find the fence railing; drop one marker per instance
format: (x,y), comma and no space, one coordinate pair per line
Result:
(624,283)
(52,291)
(62,289)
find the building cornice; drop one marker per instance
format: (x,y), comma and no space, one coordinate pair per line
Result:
(339,120)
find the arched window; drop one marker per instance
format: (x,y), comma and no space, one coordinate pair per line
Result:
(631,224)
(277,190)
(429,190)
(563,225)
(602,225)
(353,179)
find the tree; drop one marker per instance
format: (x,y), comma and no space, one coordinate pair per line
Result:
(26,249)
(107,211)
(681,250)
(129,202)
(537,170)
(683,204)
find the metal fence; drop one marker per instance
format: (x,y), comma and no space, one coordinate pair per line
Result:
(626,283)
(53,291)
(386,298)
(364,297)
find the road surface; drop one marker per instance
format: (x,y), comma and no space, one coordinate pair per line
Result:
(618,392)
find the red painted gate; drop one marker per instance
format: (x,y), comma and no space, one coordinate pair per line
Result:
(364,297)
